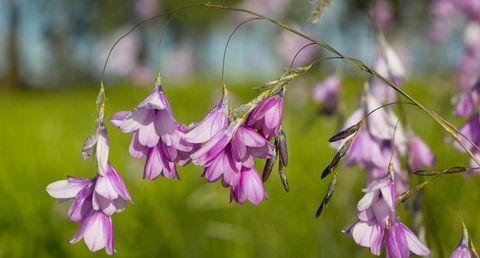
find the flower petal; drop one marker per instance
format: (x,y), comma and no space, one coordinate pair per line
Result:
(64,189)
(95,237)
(414,244)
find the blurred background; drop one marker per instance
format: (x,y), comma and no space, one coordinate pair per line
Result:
(53,52)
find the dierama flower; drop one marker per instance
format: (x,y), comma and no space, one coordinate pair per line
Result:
(374,211)
(379,225)
(170,149)
(96,199)
(149,121)
(110,193)
(267,116)
(326,92)
(248,186)
(420,154)
(400,241)
(467,103)
(390,66)
(156,135)
(231,154)
(215,121)
(212,124)
(364,151)
(245,144)
(78,189)
(223,166)
(213,147)
(383,122)
(366,148)
(229,150)
(97,232)
(471,130)
(94,202)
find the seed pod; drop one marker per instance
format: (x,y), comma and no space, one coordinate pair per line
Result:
(281,145)
(347,132)
(336,159)
(452,170)
(410,192)
(327,197)
(283,175)
(267,169)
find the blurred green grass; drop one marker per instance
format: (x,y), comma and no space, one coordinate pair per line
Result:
(42,134)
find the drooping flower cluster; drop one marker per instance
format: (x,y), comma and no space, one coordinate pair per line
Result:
(374,143)
(382,138)
(96,199)
(231,147)
(156,135)
(378,224)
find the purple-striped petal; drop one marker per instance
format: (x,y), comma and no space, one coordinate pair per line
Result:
(414,244)
(64,189)
(215,121)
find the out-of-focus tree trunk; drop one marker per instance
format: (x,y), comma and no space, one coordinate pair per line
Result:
(13,79)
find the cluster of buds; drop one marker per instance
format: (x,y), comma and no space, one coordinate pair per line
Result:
(95,200)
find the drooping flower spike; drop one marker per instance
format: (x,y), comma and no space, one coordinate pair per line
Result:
(96,199)
(156,135)
(97,232)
